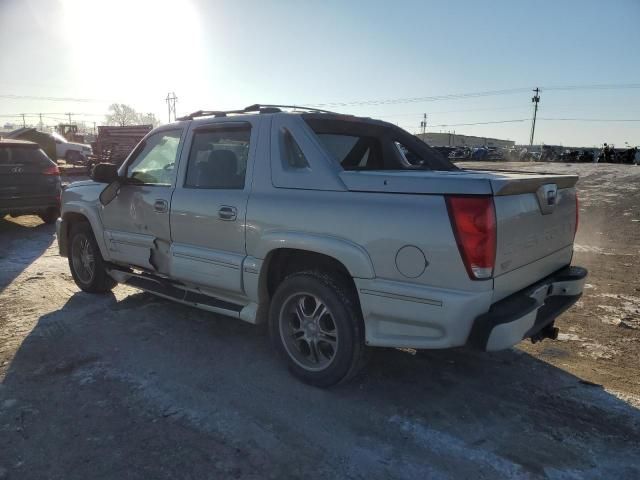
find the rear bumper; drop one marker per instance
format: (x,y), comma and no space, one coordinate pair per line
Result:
(28,206)
(525,313)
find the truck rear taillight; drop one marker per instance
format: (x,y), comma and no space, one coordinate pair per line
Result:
(473,220)
(51,170)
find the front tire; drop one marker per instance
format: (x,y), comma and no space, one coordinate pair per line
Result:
(73,157)
(85,261)
(316,325)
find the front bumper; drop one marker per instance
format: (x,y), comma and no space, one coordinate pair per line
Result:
(525,313)
(61,234)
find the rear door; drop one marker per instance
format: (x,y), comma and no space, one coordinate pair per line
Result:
(136,222)
(208,210)
(27,178)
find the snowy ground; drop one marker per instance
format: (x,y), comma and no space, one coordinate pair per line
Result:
(131,386)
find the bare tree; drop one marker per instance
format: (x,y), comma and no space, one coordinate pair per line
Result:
(122,115)
(148,119)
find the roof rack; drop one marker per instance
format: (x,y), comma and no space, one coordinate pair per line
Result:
(256,108)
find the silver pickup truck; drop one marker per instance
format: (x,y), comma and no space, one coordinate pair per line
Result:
(342,232)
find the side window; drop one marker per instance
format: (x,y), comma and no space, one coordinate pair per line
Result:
(218,158)
(408,155)
(353,152)
(291,151)
(155,163)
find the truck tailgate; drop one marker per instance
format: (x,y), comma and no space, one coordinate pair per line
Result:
(536,222)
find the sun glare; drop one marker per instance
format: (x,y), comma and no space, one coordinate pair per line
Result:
(140,44)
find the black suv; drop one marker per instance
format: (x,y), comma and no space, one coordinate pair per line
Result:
(29,181)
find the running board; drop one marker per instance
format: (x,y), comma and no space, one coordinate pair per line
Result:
(165,289)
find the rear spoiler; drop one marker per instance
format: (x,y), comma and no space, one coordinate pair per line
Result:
(529,183)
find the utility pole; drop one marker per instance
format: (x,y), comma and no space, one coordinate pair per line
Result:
(535,99)
(171,104)
(24,123)
(40,125)
(423,125)
(69,115)
(94,129)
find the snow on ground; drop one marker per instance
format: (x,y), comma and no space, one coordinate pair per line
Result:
(129,385)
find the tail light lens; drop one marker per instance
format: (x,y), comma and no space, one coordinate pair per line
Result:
(473,220)
(577,216)
(51,170)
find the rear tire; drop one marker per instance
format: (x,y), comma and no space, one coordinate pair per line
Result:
(85,261)
(316,325)
(50,215)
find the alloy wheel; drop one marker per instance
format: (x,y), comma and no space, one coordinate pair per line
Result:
(83,258)
(308,331)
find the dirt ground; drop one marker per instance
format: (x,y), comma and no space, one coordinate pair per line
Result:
(132,386)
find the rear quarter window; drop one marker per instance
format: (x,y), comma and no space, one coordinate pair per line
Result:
(353,152)
(365,144)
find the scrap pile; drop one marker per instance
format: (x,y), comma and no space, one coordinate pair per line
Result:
(114,144)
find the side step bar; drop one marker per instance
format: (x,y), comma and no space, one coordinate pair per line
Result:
(164,288)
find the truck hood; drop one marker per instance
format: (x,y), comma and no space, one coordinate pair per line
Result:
(461,182)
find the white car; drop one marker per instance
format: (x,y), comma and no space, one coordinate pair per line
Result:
(72,152)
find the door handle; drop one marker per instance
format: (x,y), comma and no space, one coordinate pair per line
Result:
(228,213)
(161,206)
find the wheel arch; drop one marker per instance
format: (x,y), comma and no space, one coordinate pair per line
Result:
(350,255)
(73,214)
(286,253)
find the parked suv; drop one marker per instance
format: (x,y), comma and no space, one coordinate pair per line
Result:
(72,152)
(29,181)
(342,232)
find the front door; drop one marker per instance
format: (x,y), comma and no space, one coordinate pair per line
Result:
(136,221)
(208,209)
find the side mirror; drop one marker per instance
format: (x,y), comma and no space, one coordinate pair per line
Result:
(110,192)
(105,173)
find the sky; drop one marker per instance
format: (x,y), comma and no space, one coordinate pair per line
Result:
(373,58)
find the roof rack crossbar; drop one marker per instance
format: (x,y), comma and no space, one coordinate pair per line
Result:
(258,108)
(294,107)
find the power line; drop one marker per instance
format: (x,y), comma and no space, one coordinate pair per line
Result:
(591,119)
(481,123)
(458,96)
(603,86)
(515,120)
(432,112)
(53,99)
(51,113)
(393,101)
(389,101)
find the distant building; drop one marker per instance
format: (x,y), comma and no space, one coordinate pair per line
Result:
(438,139)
